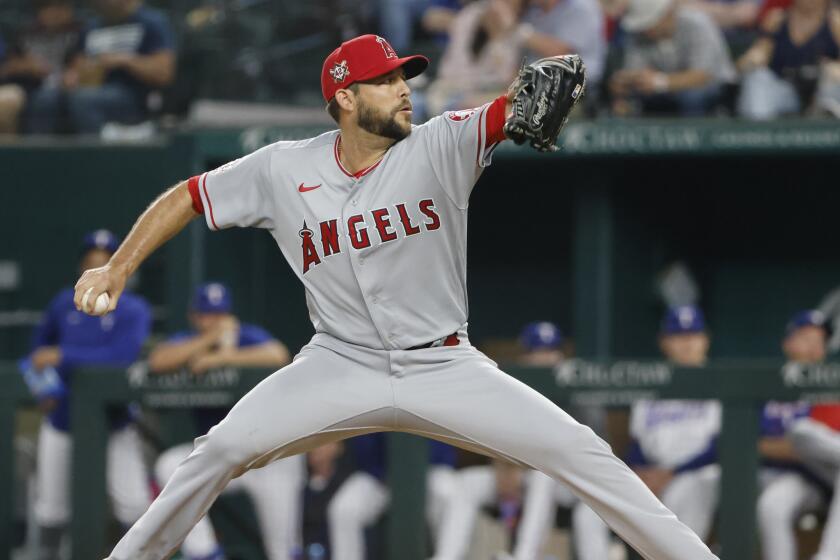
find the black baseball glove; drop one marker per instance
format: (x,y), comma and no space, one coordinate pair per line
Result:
(542,96)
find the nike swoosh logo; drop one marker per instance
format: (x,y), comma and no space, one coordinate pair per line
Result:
(302,188)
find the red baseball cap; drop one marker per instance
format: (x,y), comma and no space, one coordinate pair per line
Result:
(363,58)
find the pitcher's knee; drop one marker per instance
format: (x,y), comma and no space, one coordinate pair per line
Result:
(224,448)
(580,439)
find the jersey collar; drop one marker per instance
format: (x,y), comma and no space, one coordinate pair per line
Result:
(362,172)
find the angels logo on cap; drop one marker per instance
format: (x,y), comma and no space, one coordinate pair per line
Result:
(339,71)
(369,56)
(389,51)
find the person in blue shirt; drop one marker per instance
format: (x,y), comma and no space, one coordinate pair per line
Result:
(124,54)
(219,340)
(65,340)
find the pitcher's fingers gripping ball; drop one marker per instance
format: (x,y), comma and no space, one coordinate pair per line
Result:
(98,290)
(100,306)
(543,96)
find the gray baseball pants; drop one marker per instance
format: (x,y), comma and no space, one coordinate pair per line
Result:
(334,390)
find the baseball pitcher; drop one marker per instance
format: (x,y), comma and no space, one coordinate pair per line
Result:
(372,218)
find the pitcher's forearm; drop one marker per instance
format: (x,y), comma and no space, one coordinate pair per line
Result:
(161,221)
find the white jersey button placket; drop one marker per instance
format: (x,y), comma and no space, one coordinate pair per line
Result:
(357,261)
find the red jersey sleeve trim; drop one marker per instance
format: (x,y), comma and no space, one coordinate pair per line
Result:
(197,205)
(209,203)
(480,145)
(496,121)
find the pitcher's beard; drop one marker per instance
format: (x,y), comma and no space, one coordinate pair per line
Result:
(371,121)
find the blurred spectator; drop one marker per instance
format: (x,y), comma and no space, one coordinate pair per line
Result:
(397,19)
(218,340)
(65,340)
(123,55)
(552,27)
(730,15)
(438,18)
(674,445)
(489,38)
(783,68)
(676,61)
(481,58)
(789,487)
(12,98)
(43,48)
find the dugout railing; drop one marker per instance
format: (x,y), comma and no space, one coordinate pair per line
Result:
(741,386)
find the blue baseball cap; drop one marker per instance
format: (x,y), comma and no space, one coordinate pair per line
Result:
(100,239)
(541,335)
(683,319)
(807,318)
(212,297)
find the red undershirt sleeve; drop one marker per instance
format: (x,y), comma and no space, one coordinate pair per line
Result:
(192,185)
(495,121)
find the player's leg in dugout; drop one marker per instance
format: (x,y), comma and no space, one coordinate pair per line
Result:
(538,514)
(787,496)
(52,494)
(323,395)
(457,394)
(477,488)
(357,504)
(830,541)
(276,491)
(590,535)
(442,489)
(201,541)
(693,497)
(127,478)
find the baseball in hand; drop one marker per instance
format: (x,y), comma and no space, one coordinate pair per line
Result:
(101,304)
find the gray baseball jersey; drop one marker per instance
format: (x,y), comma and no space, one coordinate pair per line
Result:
(360,243)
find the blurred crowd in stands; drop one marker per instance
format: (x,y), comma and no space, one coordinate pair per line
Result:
(71,66)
